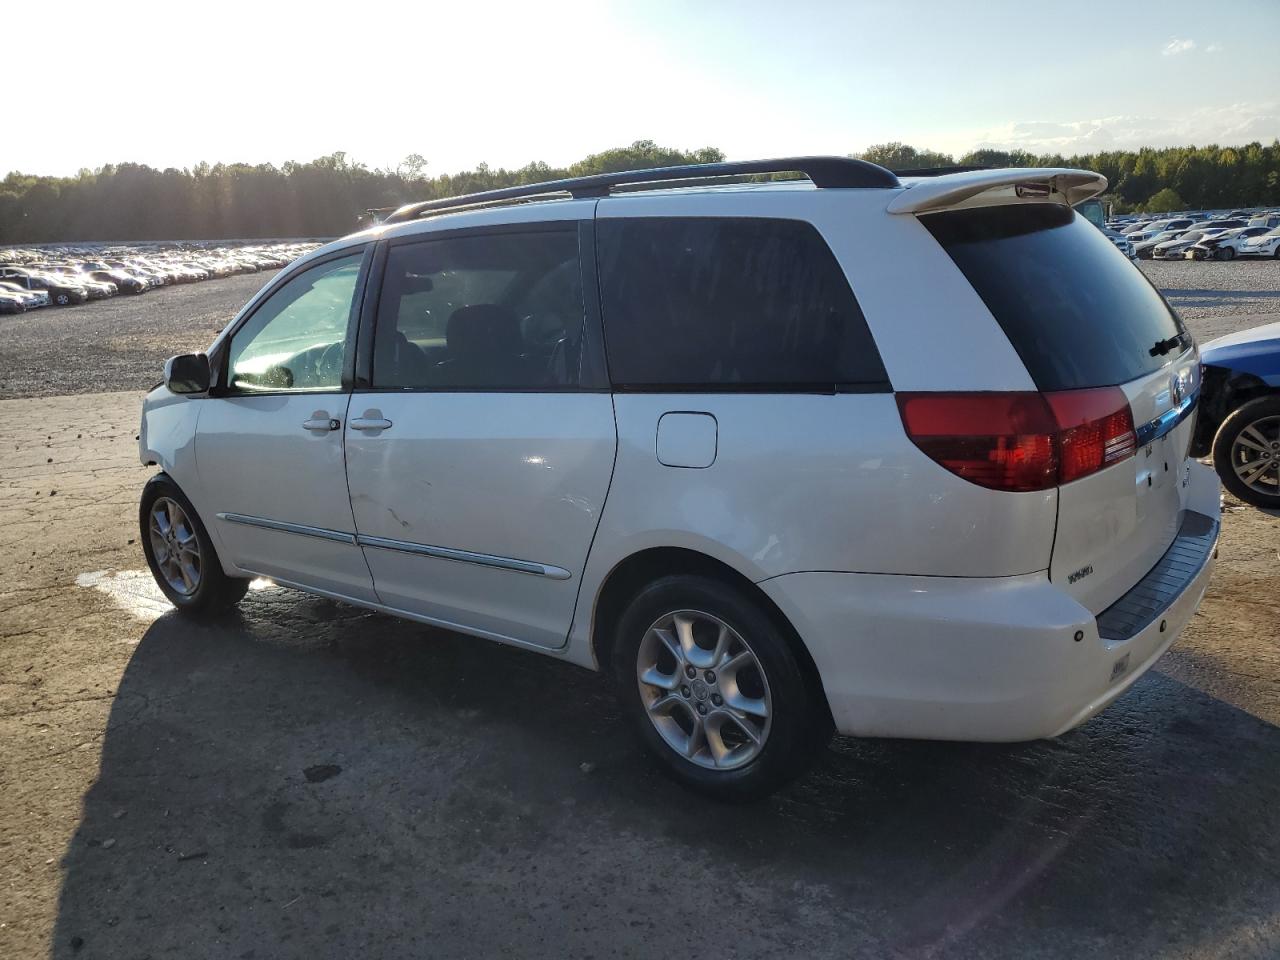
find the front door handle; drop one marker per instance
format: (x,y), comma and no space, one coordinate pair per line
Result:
(321,422)
(369,423)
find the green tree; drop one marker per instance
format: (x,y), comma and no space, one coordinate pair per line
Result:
(327,195)
(1165,201)
(999,158)
(412,166)
(903,156)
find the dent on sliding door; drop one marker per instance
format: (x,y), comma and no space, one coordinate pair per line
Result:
(477,467)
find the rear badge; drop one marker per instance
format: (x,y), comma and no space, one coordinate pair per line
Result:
(1080,574)
(1120,667)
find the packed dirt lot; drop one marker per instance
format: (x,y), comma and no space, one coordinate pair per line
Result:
(311,780)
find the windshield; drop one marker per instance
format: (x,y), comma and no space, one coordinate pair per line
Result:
(1078,313)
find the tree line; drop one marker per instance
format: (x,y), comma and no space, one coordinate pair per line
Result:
(328,196)
(1154,180)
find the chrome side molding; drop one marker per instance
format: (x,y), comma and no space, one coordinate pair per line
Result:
(403,546)
(300,529)
(466,556)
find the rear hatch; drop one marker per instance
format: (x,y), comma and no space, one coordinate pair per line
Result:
(1083,318)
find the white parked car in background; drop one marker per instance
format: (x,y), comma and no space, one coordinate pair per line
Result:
(30,298)
(12,303)
(1146,249)
(1224,245)
(1159,226)
(1263,245)
(898,458)
(1176,249)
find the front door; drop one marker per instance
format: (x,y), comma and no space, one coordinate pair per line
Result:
(477,463)
(269,447)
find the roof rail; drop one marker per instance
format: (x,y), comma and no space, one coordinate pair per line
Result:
(825,172)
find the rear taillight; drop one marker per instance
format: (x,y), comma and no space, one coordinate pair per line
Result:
(1095,430)
(1021,440)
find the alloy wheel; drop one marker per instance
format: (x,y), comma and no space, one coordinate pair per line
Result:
(175,546)
(1255,455)
(704,689)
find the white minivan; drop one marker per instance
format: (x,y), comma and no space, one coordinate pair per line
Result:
(891,457)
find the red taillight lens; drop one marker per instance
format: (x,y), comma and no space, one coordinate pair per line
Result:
(1021,441)
(1095,430)
(999,440)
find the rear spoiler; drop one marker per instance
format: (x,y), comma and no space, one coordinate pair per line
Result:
(991,187)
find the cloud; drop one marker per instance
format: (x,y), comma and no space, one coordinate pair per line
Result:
(1176,46)
(1213,48)
(1229,125)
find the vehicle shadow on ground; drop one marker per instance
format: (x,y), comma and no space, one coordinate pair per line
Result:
(307,779)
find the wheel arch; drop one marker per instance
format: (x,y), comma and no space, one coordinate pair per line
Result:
(631,574)
(1227,390)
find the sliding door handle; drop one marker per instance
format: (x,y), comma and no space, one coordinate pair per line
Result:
(369,423)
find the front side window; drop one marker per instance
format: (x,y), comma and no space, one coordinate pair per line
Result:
(296,340)
(484,312)
(730,304)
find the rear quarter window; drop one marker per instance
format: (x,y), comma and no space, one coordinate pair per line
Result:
(1077,312)
(730,304)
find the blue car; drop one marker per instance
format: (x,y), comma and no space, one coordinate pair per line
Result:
(1239,414)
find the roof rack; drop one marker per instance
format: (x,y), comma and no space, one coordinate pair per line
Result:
(825,172)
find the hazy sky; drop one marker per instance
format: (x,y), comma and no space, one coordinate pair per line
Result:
(173,84)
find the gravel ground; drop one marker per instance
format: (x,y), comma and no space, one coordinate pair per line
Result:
(306,779)
(1218,297)
(116,344)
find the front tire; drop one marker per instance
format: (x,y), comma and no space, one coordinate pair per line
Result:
(1226,253)
(714,688)
(181,555)
(1246,452)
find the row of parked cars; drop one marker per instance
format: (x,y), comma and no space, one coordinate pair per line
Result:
(64,276)
(1199,236)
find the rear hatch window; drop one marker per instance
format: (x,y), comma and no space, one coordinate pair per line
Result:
(1074,308)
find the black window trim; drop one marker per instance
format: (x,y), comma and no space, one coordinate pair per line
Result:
(221,356)
(817,388)
(591,372)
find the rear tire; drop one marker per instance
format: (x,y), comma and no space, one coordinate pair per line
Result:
(714,688)
(1246,452)
(181,554)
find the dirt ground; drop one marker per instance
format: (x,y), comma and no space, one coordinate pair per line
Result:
(307,779)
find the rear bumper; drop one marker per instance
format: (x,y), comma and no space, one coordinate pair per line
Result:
(994,659)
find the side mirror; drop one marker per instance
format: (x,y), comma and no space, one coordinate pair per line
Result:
(187,373)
